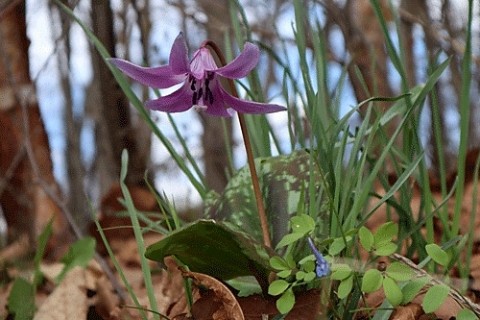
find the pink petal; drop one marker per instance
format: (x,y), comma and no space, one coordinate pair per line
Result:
(241,66)
(178,60)
(245,106)
(158,77)
(177,101)
(219,109)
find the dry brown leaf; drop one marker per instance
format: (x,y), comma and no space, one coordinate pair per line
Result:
(15,250)
(409,312)
(449,308)
(69,300)
(107,302)
(217,302)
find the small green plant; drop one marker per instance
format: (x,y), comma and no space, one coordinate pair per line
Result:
(291,274)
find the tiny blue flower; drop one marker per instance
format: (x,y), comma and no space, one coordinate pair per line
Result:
(323,268)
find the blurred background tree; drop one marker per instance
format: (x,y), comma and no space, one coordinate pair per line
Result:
(99,122)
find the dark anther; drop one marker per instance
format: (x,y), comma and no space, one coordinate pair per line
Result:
(210,76)
(193,85)
(200,93)
(209,95)
(194,98)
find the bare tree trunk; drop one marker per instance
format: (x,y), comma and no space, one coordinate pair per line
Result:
(77,197)
(112,112)
(25,164)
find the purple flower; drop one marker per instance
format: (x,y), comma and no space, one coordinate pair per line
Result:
(201,86)
(323,268)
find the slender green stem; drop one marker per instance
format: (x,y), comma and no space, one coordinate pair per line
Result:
(248,147)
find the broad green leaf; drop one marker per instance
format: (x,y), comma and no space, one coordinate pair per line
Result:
(278,263)
(412,288)
(21,300)
(466,314)
(345,287)
(284,273)
(246,286)
(435,297)
(214,248)
(308,266)
(278,287)
(366,238)
(372,281)
(437,254)
(386,249)
(310,276)
(79,254)
(399,271)
(289,239)
(286,302)
(310,257)
(290,260)
(302,223)
(338,245)
(392,291)
(300,275)
(341,272)
(385,233)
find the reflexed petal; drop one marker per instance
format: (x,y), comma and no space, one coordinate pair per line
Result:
(178,60)
(177,101)
(157,77)
(245,106)
(219,109)
(241,65)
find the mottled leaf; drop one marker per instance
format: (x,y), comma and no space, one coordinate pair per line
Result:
(282,180)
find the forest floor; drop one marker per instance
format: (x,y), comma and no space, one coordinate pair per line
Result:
(87,293)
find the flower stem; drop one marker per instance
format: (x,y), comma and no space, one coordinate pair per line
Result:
(248,147)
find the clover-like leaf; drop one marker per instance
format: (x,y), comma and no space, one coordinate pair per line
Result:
(345,287)
(286,302)
(399,271)
(412,288)
(308,266)
(372,280)
(392,291)
(437,254)
(366,238)
(385,233)
(289,239)
(386,249)
(466,314)
(302,224)
(278,287)
(341,271)
(338,245)
(309,276)
(435,297)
